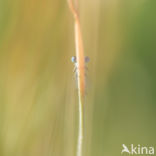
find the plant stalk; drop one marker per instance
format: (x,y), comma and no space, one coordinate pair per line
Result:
(81,73)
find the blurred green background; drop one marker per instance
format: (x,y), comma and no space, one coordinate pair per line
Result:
(38,96)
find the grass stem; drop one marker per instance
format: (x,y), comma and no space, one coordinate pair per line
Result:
(80,71)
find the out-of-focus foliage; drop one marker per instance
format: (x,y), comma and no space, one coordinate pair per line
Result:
(38,97)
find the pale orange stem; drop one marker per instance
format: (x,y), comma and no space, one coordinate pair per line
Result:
(81,73)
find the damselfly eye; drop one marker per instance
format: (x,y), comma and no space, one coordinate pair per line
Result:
(73,59)
(87,59)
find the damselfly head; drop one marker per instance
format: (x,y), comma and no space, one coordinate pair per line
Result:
(74,60)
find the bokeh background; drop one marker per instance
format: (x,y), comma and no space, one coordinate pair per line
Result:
(38,95)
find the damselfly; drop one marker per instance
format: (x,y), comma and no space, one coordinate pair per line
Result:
(76,68)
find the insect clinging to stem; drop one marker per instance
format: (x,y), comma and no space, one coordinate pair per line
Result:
(74,60)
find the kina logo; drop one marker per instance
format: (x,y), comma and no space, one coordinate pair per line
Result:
(134,150)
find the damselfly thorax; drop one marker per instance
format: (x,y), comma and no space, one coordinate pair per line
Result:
(77,68)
